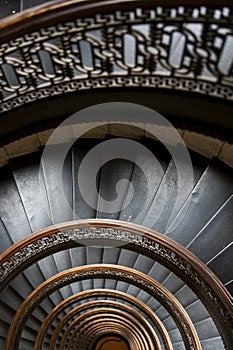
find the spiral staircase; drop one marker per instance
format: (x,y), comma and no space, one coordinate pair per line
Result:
(76,276)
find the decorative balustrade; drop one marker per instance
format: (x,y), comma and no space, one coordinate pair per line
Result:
(76,301)
(129,236)
(73,46)
(131,276)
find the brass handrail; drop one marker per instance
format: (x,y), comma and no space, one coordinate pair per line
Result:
(103,305)
(87,294)
(86,327)
(188,267)
(116,272)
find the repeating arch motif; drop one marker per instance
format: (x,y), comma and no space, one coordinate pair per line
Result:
(128,275)
(100,306)
(78,334)
(178,259)
(88,294)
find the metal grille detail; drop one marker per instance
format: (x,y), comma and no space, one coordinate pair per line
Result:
(186,49)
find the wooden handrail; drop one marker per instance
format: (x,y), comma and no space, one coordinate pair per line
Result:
(116,272)
(204,272)
(87,294)
(178,259)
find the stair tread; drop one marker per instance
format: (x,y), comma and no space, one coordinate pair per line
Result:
(222,264)
(81,209)
(12,211)
(6,240)
(212,190)
(206,329)
(31,189)
(216,235)
(58,184)
(214,343)
(112,172)
(153,174)
(166,196)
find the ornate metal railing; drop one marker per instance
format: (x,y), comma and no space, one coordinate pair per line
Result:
(83,330)
(129,236)
(76,301)
(120,273)
(71,46)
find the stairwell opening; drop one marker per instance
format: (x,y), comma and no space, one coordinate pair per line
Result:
(111,342)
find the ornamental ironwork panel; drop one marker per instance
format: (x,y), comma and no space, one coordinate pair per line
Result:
(186,49)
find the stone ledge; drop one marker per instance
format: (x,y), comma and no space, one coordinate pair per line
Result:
(205,145)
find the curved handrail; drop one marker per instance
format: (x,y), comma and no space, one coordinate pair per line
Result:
(103,303)
(178,259)
(116,272)
(83,332)
(87,294)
